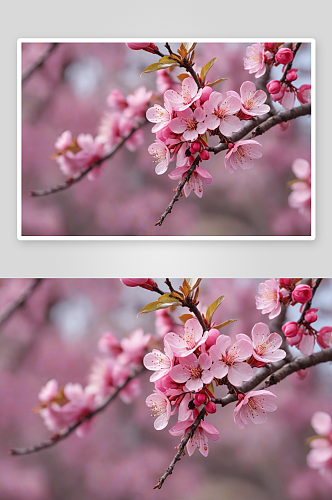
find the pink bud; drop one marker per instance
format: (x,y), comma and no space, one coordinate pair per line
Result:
(207,91)
(213,334)
(268,46)
(204,155)
(302,293)
(147,283)
(291,74)
(290,329)
(302,374)
(199,399)
(285,282)
(273,86)
(283,126)
(304,93)
(310,315)
(284,56)
(195,147)
(138,46)
(211,407)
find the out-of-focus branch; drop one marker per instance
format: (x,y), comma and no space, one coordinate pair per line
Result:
(308,304)
(178,192)
(19,301)
(79,175)
(38,63)
(60,436)
(181,447)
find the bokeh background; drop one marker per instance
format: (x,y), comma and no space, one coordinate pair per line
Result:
(55,335)
(70,91)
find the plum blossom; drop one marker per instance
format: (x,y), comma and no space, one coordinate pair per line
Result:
(189,123)
(137,102)
(303,340)
(254,61)
(220,113)
(300,196)
(324,337)
(186,97)
(193,372)
(253,407)
(160,408)
(134,347)
(200,438)
(160,116)
(161,156)
(198,176)
(242,154)
(304,93)
(266,345)
(231,360)
(302,294)
(320,455)
(252,100)
(187,342)
(161,363)
(268,298)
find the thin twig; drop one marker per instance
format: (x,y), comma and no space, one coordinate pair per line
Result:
(77,177)
(62,435)
(308,304)
(290,64)
(19,301)
(38,63)
(186,65)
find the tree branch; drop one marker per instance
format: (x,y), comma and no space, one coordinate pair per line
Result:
(19,301)
(38,63)
(79,175)
(290,64)
(308,304)
(60,436)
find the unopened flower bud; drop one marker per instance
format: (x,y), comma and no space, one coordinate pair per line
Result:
(311,316)
(138,46)
(204,155)
(290,329)
(284,56)
(274,86)
(302,374)
(213,334)
(285,282)
(195,147)
(211,407)
(199,399)
(302,293)
(268,46)
(291,75)
(206,92)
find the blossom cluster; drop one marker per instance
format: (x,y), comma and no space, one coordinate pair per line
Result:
(189,115)
(320,455)
(287,291)
(193,363)
(259,57)
(62,407)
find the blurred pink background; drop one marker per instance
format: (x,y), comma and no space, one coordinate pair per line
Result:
(70,91)
(55,335)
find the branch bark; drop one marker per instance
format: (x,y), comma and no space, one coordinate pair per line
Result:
(19,302)
(39,62)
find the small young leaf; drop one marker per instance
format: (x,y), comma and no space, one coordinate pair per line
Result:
(212,308)
(182,76)
(218,327)
(189,46)
(206,68)
(216,81)
(164,62)
(185,317)
(163,302)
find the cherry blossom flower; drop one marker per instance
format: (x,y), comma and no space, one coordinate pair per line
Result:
(230,360)
(220,113)
(186,97)
(160,116)
(242,154)
(324,337)
(266,345)
(189,123)
(109,344)
(161,156)
(200,438)
(303,340)
(252,100)
(300,197)
(146,283)
(268,298)
(199,176)
(304,93)
(161,363)
(302,294)
(254,61)
(193,372)
(137,102)
(48,392)
(191,338)
(160,408)
(253,407)
(79,154)
(320,456)
(134,347)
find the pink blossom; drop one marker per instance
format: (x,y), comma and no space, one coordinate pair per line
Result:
(266,345)
(138,101)
(161,156)
(320,455)
(193,372)
(311,316)
(220,113)
(163,81)
(199,176)
(146,283)
(161,363)
(242,154)
(253,406)
(186,97)
(304,341)
(187,342)
(134,347)
(109,344)
(80,155)
(117,100)
(165,324)
(324,337)
(160,408)
(254,61)
(160,116)
(230,360)
(292,74)
(64,141)
(252,100)
(189,123)
(274,87)
(302,294)
(138,46)
(268,298)
(48,392)
(304,93)
(290,329)
(300,197)
(286,96)
(200,438)
(284,56)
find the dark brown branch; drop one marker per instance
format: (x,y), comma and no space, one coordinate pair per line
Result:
(290,64)
(186,65)
(181,448)
(283,116)
(308,304)
(19,301)
(38,63)
(188,302)
(77,177)
(62,435)
(178,192)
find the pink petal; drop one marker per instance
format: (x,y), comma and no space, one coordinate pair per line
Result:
(322,423)
(239,372)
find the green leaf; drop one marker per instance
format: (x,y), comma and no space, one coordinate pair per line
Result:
(164,62)
(225,323)
(163,302)
(216,81)
(206,68)
(212,308)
